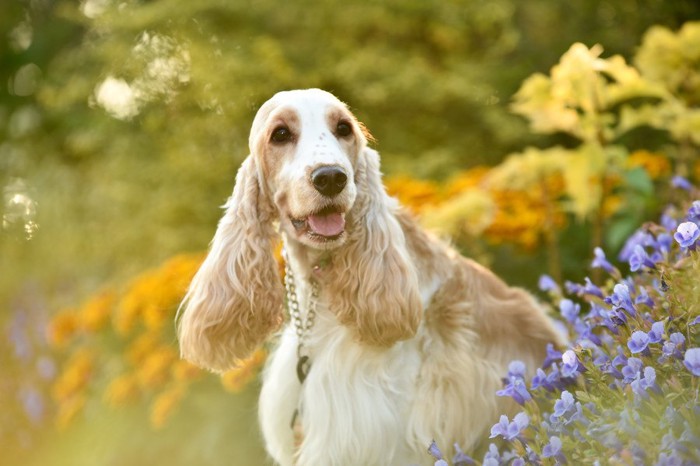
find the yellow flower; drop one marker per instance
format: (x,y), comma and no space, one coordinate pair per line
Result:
(95,313)
(471,211)
(235,379)
(74,377)
(127,314)
(164,405)
(121,390)
(467,180)
(656,165)
(62,328)
(183,371)
(154,295)
(415,194)
(141,347)
(154,370)
(155,316)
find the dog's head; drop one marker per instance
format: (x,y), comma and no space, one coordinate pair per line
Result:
(310,170)
(307,145)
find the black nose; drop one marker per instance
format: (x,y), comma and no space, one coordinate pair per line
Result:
(329,181)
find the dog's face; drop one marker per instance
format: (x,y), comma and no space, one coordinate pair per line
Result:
(307,144)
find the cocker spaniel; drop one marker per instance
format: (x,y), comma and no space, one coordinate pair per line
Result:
(394,338)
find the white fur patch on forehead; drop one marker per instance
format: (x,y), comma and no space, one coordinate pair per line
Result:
(306,97)
(301,100)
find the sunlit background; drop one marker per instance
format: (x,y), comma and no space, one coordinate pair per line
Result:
(122,124)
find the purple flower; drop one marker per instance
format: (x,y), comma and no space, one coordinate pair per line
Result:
(644,383)
(638,342)
(516,369)
(657,332)
(547,283)
(493,453)
(586,334)
(632,370)
(667,221)
(569,310)
(621,299)
(552,356)
(639,258)
(639,238)
(549,382)
(643,298)
(580,290)
(664,242)
(695,321)
(686,234)
(461,458)
(494,458)
(553,448)
(516,389)
(590,289)
(600,261)
(510,430)
(673,347)
(670,459)
(563,405)
(620,359)
(570,366)
(694,212)
(434,451)
(681,183)
(692,361)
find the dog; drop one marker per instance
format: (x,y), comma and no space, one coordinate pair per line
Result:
(394,339)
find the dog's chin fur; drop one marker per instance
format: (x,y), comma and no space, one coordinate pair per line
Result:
(410,341)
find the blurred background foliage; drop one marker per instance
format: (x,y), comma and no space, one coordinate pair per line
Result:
(122,124)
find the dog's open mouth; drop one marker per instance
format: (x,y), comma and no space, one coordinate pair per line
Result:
(327,224)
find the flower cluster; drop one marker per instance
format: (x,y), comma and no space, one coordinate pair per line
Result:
(121,347)
(626,388)
(470,205)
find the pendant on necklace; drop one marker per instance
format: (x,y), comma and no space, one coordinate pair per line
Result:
(303,366)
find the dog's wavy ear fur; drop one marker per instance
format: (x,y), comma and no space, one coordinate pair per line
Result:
(375,286)
(235,300)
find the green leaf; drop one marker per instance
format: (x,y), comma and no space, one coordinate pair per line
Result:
(620,230)
(638,180)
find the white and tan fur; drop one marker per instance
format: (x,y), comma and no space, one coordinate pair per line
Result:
(411,340)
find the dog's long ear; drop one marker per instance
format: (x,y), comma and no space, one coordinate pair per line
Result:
(375,288)
(235,300)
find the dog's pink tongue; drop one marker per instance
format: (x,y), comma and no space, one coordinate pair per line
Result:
(327,225)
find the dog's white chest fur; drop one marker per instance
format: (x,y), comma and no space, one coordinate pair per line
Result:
(352,404)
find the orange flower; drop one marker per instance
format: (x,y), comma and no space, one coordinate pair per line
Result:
(62,328)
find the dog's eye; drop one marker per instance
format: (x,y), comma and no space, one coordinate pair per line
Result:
(343,129)
(281,135)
